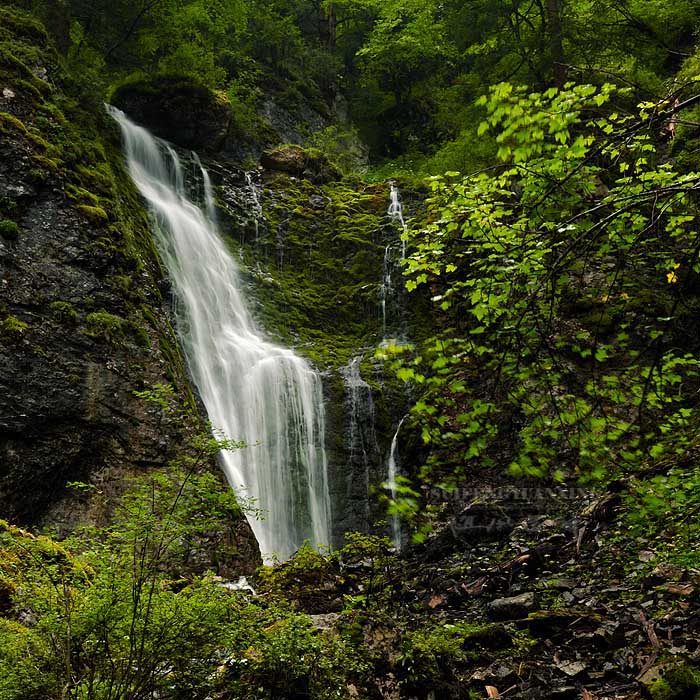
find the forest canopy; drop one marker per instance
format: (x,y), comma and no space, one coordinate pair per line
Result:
(410,71)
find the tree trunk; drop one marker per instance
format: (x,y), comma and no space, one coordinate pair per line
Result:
(556,45)
(332,25)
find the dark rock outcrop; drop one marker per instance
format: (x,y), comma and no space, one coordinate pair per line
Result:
(177,109)
(301,162)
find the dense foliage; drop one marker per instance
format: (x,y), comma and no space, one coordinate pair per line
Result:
(410,71)
(565,280)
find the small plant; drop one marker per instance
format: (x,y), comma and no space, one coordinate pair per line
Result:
(9,230)
(13,326)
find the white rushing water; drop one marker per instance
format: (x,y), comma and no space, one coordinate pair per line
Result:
(386,289)
(253,390)
(395,213)
(388,295)
(256,210)
(363,449)
(392,473)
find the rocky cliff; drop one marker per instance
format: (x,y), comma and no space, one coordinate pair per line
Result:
(83,303)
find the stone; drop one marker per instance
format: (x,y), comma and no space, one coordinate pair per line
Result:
(324,621)
(309,164)
(179,110)
(512,608)
(571,668)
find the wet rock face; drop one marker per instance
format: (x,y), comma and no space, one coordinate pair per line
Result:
(73,346)
(178,110)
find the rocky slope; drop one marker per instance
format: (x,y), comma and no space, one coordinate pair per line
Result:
(527,592)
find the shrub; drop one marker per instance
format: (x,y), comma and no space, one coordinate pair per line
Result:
(9,229)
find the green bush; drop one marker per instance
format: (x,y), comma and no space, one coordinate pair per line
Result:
(9,229)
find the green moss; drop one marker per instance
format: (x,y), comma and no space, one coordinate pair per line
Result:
(95,215)
(23,26)
(96,178)
(8,122)
(143,339)
(27,88)
(323,298)
(13,326)
(82,196)
(102,324)
(64,310)
(14,60)
(9,229)
(678,683)
(50,164)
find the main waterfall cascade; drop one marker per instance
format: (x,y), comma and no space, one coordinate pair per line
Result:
(253,390)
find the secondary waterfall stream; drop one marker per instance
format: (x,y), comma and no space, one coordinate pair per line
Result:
(253,390)
(395,213)
(392,473)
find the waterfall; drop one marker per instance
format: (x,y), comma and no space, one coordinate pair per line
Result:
(256,211)
(363,450)
(387,294)
(392,472)
(395,213)
(253,390)
(386,288)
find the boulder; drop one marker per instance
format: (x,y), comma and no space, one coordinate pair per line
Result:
(177,109)
(518,606)
(310,163)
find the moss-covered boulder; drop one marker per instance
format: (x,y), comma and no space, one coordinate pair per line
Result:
(308,163)
(671,681)
(177,109)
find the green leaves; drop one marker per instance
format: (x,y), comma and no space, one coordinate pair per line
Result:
(556,293)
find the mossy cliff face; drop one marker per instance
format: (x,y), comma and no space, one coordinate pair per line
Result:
(83,324)
(314,257)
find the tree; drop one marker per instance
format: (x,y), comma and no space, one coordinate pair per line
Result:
(561,281)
